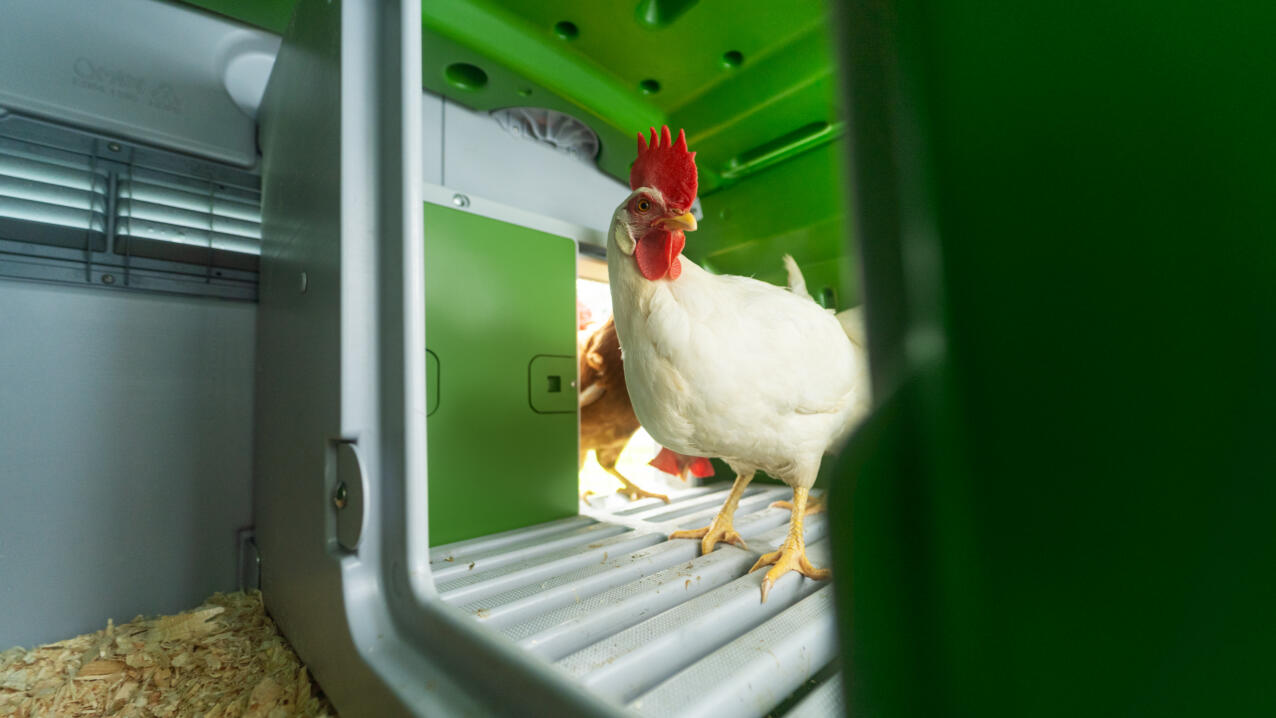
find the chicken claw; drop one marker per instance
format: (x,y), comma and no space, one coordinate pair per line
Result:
(711,535)
(792,553)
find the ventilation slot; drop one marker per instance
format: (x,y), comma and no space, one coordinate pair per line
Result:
(77,208)
(180,219)
(548,127)
(52,198)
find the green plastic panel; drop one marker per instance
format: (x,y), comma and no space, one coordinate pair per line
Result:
(793,208)
(500,302)
(1065,503)
(751,81)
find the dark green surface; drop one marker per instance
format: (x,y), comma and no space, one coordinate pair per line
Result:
(272,15)
(1065,499)
(498,296)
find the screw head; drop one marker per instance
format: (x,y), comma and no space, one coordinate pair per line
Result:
(113,146)
(340,497)
(108,279)
(460,200)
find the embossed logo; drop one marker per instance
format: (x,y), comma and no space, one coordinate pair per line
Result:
(123,85)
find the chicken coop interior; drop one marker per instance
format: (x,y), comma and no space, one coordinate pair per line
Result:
(965,407)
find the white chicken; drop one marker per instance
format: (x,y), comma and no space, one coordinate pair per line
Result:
(722,365)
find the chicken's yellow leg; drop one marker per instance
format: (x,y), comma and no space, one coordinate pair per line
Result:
(721,529)
(792,553)
(816,505)
(633,490)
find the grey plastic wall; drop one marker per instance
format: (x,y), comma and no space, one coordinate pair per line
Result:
(125,454)
(126,420)
(150,71)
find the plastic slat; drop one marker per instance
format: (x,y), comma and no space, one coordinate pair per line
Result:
(651,505)
(542,566)
(751,505)
(640,657)
(558,633)
(561,632)
(755,672)
(529,599)
(526,602)
(485,544)
(524,550)
(708,508)
(823,702)
(642,619)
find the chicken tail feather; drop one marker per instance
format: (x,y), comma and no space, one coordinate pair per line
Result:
(797,282)
(852,321)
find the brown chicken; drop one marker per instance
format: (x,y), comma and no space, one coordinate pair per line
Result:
(607,420)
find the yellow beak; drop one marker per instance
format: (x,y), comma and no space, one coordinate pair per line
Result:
(685,222)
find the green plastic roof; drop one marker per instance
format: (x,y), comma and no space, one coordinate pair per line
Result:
(751,81)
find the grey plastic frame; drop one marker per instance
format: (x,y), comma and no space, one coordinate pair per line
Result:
(341,359)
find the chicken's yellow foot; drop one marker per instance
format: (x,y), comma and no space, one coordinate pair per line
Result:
(636,492)
(633,490)
(792,553)
(721,529)
(814,506)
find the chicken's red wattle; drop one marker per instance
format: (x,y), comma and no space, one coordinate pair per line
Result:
(657,254)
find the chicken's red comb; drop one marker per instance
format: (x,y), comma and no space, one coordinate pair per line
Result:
(667,166)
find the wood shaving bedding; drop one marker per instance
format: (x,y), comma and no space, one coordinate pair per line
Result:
(225,659)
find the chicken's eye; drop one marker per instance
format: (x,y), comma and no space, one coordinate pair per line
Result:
(643,205)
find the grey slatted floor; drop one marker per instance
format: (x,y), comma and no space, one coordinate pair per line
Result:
(648,622)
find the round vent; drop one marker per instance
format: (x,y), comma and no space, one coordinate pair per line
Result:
(560,131)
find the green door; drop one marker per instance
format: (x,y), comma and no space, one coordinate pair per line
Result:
(501,333)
